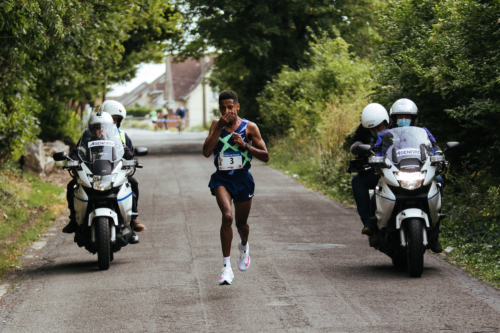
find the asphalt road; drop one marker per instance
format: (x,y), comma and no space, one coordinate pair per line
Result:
(296,282)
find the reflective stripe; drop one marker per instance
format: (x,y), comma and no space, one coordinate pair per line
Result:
(433,195)
(74,196)
(384,197)
(125,197)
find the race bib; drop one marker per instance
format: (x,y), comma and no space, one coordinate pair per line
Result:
(230,160)
(101,143)
(409,151)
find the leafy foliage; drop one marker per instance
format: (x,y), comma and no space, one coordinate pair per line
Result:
(57,55)
(299,99)
(312,110)
(444,55)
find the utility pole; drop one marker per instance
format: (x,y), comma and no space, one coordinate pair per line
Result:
(203,72)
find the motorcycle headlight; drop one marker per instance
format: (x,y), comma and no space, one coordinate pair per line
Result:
(102,183)
(410,180)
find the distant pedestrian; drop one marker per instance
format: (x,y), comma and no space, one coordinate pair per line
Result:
(154,117)
(164,114)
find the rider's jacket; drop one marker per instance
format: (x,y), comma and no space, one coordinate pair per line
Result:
(227,144)
(378,145)
(364,136)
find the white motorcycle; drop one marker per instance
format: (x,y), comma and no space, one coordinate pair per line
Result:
(407,200)
(103,195)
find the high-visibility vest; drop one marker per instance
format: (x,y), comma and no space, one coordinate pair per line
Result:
(122,136)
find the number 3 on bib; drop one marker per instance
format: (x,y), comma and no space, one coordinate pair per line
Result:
(230,160)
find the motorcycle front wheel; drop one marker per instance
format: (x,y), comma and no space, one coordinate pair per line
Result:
(103,248)
(415,247)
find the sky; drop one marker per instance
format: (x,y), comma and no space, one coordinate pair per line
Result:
(146,73)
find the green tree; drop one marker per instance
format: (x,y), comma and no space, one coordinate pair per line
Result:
(445,55)
(256,38)
(57,54)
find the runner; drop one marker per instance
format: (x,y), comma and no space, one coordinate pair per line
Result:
(233,141)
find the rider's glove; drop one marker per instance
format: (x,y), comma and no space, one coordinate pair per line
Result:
(127,154)
(354,147)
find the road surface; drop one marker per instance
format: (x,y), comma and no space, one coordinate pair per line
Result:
(311,271)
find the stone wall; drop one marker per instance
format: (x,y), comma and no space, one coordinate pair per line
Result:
(38,158)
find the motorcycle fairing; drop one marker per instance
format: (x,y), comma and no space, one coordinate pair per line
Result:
(80,200)
(434,200)
(82,175)
(385,202)
(103,212)
(120,175)
(411,213)
(124,199)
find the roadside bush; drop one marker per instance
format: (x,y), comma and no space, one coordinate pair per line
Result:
(472,229)
(18,125)
(57,122)
(138,111)
(312,111)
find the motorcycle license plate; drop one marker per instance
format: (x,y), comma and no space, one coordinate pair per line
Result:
(230,160)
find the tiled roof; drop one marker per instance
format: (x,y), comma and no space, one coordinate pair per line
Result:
(185,76)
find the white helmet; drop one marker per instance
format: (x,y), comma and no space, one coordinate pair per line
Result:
(373,115)
(114,108)
(404,106)
(99,120)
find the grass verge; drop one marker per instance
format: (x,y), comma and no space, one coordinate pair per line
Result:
(314,172)
(27,207)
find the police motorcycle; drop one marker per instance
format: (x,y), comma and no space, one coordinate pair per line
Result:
(407,200)
(103,196)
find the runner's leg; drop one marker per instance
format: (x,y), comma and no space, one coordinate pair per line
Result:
(226,231)
(242,210)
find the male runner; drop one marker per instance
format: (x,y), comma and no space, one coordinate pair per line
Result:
(233,141)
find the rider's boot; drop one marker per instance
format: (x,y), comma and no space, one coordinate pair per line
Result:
(71,226)
(138,227)
(437,247)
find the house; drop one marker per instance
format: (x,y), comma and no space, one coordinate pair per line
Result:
(181,84)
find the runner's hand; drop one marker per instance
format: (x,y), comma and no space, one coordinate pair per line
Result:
(238,140)
(227,118)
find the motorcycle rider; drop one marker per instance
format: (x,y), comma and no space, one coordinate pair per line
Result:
(374,120)
(118,112)
(404,112)
(96,123)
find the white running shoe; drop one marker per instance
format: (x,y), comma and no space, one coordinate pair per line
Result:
(226,275)
(244,259)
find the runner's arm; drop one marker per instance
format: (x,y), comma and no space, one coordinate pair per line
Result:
(258,148)
(212,138)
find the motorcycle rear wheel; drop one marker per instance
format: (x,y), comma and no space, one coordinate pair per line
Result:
(415,247)
(103,248)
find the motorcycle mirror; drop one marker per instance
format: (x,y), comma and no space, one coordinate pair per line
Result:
(61,156)
(452,145)
(141,151)
(364,149)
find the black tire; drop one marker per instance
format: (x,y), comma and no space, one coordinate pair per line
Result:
(415,247)
(102,238)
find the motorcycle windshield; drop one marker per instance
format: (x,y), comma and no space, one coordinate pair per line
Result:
(406,143)
(99,147)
